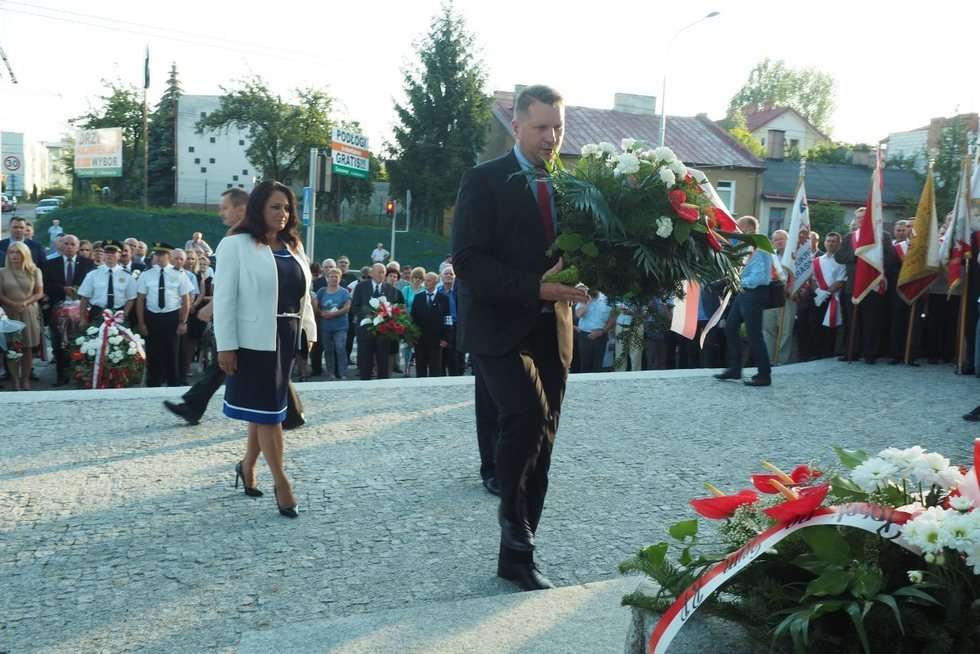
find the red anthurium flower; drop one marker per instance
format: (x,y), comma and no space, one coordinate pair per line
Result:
(677,197)
(801,474)
(807,502)
(719,508)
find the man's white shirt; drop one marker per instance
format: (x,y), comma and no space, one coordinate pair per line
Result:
(175,284)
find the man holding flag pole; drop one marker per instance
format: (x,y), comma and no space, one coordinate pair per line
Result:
(954,255)
(797,263)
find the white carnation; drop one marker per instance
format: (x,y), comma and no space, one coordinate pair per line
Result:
(79,340)
(607,147)
(113,331)
(665,154)
(665,226)
(679,169)
(627,144)
(627,164)
(115,340)
(92,331)
(872,473)
(667,177)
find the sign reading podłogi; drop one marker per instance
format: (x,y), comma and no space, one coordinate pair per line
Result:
(98,152)
(350,153)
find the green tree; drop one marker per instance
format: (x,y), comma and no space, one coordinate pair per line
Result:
(827,217)
(828,153)
(739,130)
(442,125)
(954,141)
(121,105)
(772,82)
(281,132)
(163,144)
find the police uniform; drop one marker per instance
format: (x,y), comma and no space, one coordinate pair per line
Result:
(107,288)
(163,291)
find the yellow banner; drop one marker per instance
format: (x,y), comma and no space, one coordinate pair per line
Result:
(921,265)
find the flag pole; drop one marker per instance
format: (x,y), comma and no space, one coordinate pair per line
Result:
(966,174)
(146,131)
(850,338)
(795,246)
(908,336)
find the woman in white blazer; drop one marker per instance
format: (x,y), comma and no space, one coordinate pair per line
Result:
(261,304)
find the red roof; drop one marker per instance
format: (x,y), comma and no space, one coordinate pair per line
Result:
(695,140)
(757,119)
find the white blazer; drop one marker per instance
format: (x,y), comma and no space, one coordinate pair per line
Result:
(246,295)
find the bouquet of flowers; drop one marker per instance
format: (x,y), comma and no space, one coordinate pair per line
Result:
(637,223)
(391,321)
(108,356)
(882,555)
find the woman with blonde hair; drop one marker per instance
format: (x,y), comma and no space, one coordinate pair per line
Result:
(21,288)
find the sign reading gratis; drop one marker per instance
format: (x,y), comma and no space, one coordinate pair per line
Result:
(98,152)
(350,152)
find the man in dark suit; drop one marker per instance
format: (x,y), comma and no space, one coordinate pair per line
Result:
(429,311)
(372,351)
(517,327)
(18,232)
(62,277)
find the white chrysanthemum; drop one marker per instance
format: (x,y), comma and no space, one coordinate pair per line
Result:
(915,576)
(627,144)
(607,147)
(973,559)
(667,177)
(926,531)
(374,302)
(115,340)
(679,169)
(872,473)
(960,503)
(959,531)
(92,331)
(646,155)
(665,226)
(113,331)
(627,164)
(589,149)
(905,460)
(665,154)
(951,477)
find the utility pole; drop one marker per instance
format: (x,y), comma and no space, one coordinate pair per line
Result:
(13,80)
(311,198)
(146,131)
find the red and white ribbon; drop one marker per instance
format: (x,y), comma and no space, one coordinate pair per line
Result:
(109,320)
(885,521)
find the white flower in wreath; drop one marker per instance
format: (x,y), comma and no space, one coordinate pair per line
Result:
(959,531)
(627,144)
(665,154)
(915,576)
(366,321)
(607,147)
(375,302)
(627,164)
(377,320)
(960,503)
(92,331)
(115,340)
(80,340)
(665,226)
(113,331)
(115,357)
(678,168)
(667,177)
(590,150)
(872,473)
(926,531)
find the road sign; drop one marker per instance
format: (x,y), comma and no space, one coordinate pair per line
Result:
(98,152)
(351,154)
(11,163)
(307,205)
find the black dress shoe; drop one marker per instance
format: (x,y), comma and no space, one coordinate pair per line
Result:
(758,380)
(515,535)
(728,374)
(184,411)
(973,416)
(490,483)
(293,423)
(894,362)
(525,575)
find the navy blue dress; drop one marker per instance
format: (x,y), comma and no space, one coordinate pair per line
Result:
(257,391)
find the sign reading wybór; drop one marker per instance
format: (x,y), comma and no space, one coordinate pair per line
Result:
(350,153)
(98,152)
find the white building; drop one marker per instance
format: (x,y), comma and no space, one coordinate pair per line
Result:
(916,144)
(24,163)
(781,129)
(57,176)
(211,162)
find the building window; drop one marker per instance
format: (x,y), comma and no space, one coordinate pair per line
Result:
(244,172)
(228,186)
(197,160)
(776,217)
(190,148)
(726,191)
(241,141)
(234,178)
(794,144)
(241,186)
(204,114)
(211,160)
(204,169)
(212,139)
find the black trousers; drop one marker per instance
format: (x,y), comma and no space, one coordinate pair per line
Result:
(487,427)
(867,339)
(591,351)
(372,351)
(316,358)
(198,395)
(428,360)
(162,348)
(747,307)
(527,386)
(453,361)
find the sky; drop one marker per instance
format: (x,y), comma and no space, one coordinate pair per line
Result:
(897,64)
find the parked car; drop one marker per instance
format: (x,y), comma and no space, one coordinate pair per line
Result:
(46,206)
(6,204)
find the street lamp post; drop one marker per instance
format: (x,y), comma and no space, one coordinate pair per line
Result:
(663,90)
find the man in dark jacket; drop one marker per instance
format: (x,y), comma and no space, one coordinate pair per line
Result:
(430,311)
(372,350)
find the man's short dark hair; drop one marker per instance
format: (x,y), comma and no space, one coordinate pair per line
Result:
(18,219)
(237,196)
(539,93)
(829,234)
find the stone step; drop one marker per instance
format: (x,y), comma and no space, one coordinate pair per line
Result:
(585,618)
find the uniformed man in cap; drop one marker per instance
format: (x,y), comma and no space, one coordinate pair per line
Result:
(107,287)
(162,305)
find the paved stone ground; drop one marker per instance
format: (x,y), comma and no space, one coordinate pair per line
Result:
(120,529)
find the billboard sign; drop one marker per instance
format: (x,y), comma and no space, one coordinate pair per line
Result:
(98,152)
(350,153)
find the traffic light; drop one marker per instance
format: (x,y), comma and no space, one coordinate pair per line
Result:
(390,208)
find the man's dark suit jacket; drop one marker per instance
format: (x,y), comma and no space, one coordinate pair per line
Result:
(431,320)
(499,257)
(37,251)
(360,302)
(54,277)
(845,255)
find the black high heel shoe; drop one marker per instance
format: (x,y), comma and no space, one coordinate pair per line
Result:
(251,492)
(288,511)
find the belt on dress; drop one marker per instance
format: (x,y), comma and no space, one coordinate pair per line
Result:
(289,315)
(299,332)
